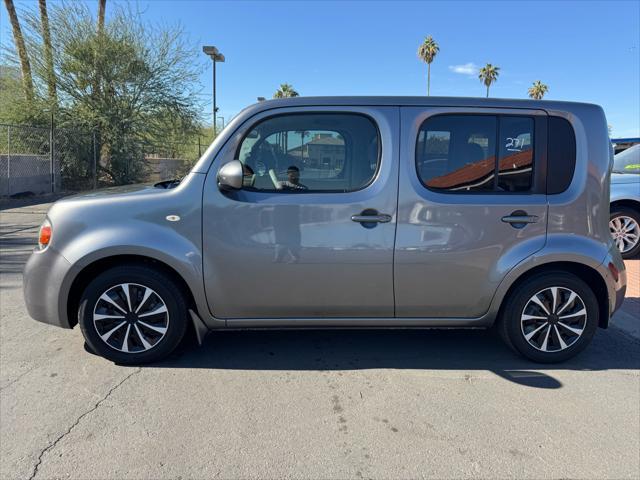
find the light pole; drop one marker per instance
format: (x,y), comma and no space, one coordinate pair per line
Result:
(216,56)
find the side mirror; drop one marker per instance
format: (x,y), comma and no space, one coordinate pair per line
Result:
(230,176)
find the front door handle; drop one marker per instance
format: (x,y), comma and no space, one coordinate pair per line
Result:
(370,217)
(383,218)
(519,219)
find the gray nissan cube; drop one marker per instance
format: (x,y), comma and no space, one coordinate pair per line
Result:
(350,212)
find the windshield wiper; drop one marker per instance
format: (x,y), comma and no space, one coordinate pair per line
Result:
(168,183)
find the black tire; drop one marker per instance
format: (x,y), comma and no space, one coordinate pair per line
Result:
(621,211)
(512,330)
(163,334)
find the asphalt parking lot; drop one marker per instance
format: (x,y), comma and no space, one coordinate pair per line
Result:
(330,404)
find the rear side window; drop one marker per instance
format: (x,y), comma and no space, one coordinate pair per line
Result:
(515,165)
(476,153)
(298,153)
(561,155)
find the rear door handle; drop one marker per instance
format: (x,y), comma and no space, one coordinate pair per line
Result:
(519,219)
(382,218)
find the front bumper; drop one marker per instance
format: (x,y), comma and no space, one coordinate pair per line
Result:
(43,286)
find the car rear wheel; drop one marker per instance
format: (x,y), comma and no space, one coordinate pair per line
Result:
(624,225)
(133,315)
(550,317)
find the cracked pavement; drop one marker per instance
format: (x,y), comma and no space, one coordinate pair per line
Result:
(341,404)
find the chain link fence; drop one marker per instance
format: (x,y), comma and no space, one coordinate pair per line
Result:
(40,160)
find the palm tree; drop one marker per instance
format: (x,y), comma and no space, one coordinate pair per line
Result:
(427,52)
(102,5)
(285,91)
(303,133)
(25,66)
(538,90)
(101,9)
(48,52)
(489,75)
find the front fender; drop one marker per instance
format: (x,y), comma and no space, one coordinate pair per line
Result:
(159,243)
(165,226)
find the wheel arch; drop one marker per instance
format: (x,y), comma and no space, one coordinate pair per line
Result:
(626,202)
(89,271)
(590,275)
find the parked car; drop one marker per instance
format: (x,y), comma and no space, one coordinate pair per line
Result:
(359,212)
(625,201)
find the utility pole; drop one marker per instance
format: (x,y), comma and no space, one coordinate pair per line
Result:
(51,156)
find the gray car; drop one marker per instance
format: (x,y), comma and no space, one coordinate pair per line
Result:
(350,212)
(625,202)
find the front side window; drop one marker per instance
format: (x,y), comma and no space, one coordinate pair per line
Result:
(476,153)
(297,153)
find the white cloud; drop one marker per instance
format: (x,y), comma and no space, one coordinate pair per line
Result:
(470,69)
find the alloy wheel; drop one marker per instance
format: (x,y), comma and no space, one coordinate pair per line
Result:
(553,319)
(625,232)
(131,318)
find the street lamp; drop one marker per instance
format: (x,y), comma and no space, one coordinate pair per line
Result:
(216,56)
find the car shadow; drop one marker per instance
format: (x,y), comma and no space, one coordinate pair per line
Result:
(327,350)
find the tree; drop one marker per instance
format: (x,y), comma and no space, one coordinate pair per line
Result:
(285,91)
(48,52)
(25,66)
(538,90)
(14,107)
(427,52)
(303,134)
(102,5)
(133,84)
(489,75)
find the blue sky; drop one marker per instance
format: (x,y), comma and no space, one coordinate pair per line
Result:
(585,51)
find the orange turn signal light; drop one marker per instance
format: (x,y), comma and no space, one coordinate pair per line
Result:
(44,236)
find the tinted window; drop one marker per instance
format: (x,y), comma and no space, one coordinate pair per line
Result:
(310,153)
(516,154)
(459,153)
(561,155)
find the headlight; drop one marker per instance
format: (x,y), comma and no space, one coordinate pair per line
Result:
(44,235)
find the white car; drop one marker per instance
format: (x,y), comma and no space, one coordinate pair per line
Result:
(624,222)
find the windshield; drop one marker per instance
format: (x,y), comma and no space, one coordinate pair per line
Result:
(627,161)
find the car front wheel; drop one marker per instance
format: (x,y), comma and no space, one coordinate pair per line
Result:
(133,315)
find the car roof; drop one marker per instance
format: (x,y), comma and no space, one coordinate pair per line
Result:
(423,101)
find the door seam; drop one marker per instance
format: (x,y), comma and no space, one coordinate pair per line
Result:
(395,232)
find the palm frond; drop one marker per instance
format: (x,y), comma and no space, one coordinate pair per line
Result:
(428,50)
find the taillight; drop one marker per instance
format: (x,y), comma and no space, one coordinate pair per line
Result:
(44,235)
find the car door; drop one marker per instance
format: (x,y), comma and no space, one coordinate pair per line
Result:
(472,204)
(310,234)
